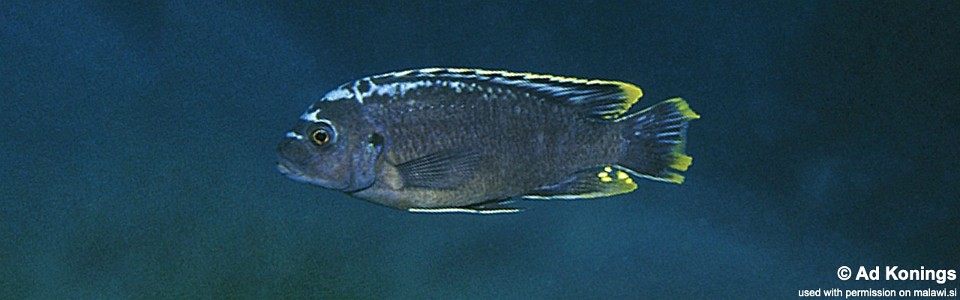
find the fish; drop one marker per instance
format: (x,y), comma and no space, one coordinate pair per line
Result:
(463,140)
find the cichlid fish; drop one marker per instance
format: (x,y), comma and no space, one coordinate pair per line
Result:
(469,140)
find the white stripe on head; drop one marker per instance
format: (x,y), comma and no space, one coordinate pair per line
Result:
(294,135)
(337,94)
(311,116)
(356,91)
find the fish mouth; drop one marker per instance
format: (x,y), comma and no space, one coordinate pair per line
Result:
(299,176)
(291,173)
(283,169)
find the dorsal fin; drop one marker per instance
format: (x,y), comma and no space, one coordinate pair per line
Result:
(601,99)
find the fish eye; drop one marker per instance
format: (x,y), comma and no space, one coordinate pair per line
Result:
(320,136)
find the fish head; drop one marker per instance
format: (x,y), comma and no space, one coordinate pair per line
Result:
(331,146)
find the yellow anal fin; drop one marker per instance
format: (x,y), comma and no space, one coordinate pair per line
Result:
(592,183)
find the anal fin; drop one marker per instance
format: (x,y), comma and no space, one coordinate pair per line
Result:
(586,184)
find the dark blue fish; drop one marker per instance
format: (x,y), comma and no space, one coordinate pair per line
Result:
(469,140)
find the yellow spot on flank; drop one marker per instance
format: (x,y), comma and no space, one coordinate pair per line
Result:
(629,180)
(606,179)
(603,174)
(607,169)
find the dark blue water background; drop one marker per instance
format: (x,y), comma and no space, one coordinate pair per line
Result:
(139,138)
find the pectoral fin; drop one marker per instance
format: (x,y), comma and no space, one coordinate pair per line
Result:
(441,170)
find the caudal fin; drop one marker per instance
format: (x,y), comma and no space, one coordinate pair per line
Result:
(656,138)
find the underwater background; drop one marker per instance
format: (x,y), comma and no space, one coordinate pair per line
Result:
(139,143)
